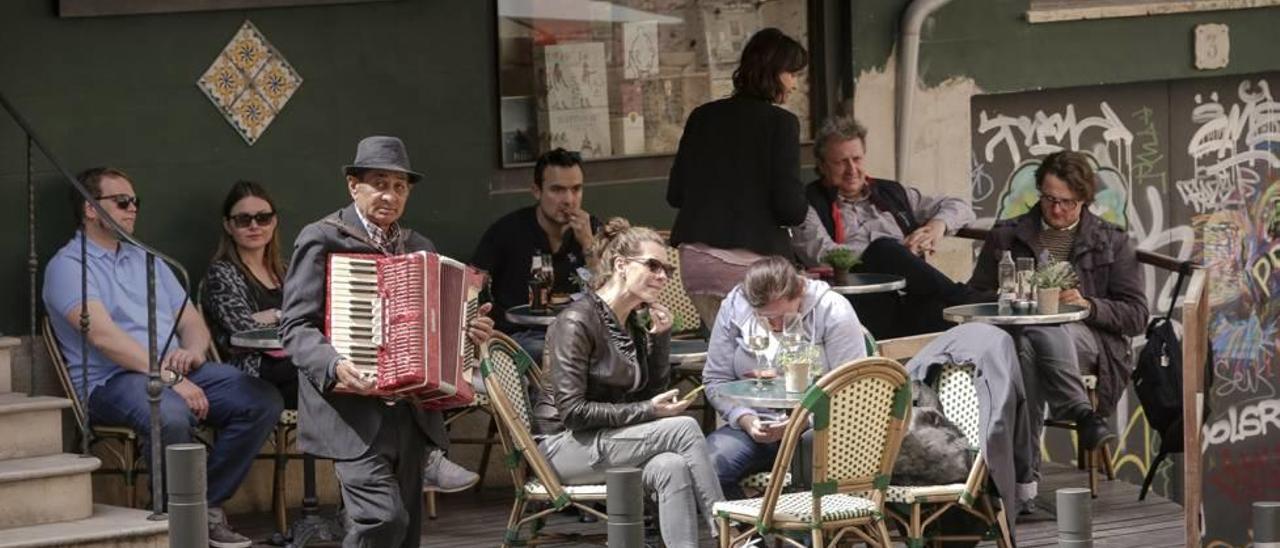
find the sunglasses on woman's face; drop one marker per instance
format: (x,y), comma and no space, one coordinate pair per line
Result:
(242,220)
(654,265)
(123,201)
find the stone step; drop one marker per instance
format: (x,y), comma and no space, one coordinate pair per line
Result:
(30,426)
(45,489)
(8,345)
(109,526)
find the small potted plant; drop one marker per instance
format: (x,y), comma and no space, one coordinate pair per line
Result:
(841,261)
(798,366)
(1049,281)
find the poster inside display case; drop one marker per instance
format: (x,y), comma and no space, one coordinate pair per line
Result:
(619,78)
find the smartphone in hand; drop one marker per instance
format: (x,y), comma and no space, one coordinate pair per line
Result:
(690,395)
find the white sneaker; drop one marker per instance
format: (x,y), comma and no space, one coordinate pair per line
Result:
(443,476)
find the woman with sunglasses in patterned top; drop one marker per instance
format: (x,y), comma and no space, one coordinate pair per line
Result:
(608,402)
(241,291)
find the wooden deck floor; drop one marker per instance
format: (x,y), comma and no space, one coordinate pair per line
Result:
(477,520)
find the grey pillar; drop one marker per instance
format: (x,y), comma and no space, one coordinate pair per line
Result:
(1075,518)
(625,500)
(188,504)
(1266,524)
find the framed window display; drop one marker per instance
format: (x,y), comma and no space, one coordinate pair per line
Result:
(618,78)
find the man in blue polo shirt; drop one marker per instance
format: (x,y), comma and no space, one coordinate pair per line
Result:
(243,409)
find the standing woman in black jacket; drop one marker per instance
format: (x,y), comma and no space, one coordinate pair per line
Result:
(736,176)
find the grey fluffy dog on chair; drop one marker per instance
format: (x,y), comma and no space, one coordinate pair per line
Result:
(934,451)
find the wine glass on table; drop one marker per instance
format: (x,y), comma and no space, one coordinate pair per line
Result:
(795,332)
(757,339)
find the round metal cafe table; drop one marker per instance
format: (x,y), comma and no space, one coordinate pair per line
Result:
(774,394)
(990,313)
(267,338)
(867,283)
(522,315)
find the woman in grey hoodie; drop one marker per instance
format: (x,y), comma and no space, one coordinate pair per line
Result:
(771,289)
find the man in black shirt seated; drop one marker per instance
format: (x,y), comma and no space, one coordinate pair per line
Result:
(556,225)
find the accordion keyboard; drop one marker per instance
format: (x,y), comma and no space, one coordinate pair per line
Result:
(355,314)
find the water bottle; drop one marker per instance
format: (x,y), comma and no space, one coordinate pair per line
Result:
(1008,291)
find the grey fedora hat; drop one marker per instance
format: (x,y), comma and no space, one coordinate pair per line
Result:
(382,152)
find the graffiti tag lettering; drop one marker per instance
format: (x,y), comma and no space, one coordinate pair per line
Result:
(1263,267)
(1240,424)
(1229,148)
(1252,381)
(1047,133)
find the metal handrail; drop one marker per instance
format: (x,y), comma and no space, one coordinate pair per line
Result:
(154,384)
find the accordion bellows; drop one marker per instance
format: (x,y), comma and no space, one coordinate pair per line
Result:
(402,320)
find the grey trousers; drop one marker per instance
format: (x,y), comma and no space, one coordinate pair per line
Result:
(1052,358)
(674,460)
(382,489)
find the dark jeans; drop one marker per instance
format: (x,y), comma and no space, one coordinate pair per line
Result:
(244,410)
(737,456)
(919,309)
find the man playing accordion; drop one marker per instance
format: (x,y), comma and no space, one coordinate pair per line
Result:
(377,445)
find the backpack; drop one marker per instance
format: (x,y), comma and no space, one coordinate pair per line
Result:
(1157,380)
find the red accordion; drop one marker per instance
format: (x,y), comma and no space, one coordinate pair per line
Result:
(402,320)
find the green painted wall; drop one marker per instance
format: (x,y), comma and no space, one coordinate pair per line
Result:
(121,91)
(992,42)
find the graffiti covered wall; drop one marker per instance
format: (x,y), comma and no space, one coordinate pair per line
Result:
(1192,169)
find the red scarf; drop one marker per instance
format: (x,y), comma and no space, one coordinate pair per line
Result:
(838,221)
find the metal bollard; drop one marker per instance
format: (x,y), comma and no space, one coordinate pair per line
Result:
(1075,518)
(188,504)
(625,501)
(1266,524)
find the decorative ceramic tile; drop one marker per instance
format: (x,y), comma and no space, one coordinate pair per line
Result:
(277,81)
(249,82)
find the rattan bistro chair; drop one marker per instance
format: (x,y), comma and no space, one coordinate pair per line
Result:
(684,316)
(858,412)
(508,373)
(959,398)
(128,460)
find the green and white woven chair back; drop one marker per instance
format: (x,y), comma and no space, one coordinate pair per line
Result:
(873,347)
(859,429)
(959,400)
(509,366)
(685,316)
(858,409)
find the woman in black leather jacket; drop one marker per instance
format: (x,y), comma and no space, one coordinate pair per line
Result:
(607,404)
